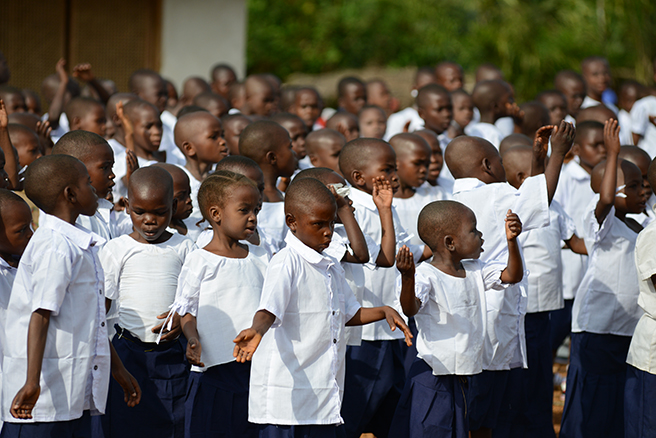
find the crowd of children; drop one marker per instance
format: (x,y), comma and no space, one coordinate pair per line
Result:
(240,261)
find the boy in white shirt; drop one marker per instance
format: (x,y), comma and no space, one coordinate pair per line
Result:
(58,304)
(640,158)
(481,185)
(643,124)
(596,74)
(144,290)
(439,178)
(605,311)
(447,298)
(297,376)
(494,100)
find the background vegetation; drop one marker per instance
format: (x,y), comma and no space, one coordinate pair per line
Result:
(529,39)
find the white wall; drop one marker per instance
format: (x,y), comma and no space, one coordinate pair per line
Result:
(196,34)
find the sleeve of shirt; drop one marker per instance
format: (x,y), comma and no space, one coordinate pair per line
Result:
(338,247)
(187,294)
(51,277)
(403,238)
(594,232)
(351,304)
(374,250)
(110,264)
(491,272)
(639,118)
(422,289)
(565,223)
(277,287)
(645,253)
(531,203)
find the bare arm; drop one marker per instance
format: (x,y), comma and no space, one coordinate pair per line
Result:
(84,73)
(406,265)
(609,182)
(11,157)
(131,389)
(382,196)
(190,331)
(367,315)
(577,245)
(561,142)
(57,104)
(353,231)
(248,340)
(540,148)
(514,272)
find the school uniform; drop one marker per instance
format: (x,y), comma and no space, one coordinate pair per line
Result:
(604,316)
(624,119)
(271,220)
(376,368)
(297,373)
(451,325)
(505,125)
(120,190)
(588,102)
(60,272)
(641,125)
(62,129)
(408,209)
(486,131)
(223,294)
(506,311)
(117,147)
(7,276)
(173,153)
(142,278)
(397,121)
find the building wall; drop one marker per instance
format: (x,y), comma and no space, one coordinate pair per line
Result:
(196,34)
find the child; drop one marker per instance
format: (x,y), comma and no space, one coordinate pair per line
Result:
(297,133)
(372,122)
(605,311)
(13,98)
(141,275)
(199,136)
(481,185)
(463,113)
(182,195)
(494,101)
(351,95)
(643,124)
(638,406)
(57,90)
(233,125)
(438,173)
(448,298)
(212,102)
(26,143)
(192,87)
(305,292)
(435,108)
(117,142)
(413,157)
(268,144)
(259,97)
(556,103)
(378,94)
(572,86)
(450,75)
(629,93)
(371,396)
(237,97)
(307,105)
(218,292)
(596,74)
(536,115)
(223,76)
(323,148)
(514,140)
(640,158)
(58,304)
(346,124)
(87,114)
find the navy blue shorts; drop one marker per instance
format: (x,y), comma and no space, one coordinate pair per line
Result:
(639,404)
(78,428)
(594,401)
(431,405)
(486,391)
(561,324)
(217,403)
(306,431)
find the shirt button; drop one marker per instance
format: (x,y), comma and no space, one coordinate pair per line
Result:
(334,341)
(333,312)
(100,291)
(95,367)
(102,324)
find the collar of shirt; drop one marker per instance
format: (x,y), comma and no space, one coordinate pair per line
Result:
(6,266)
(577,172)
(78,235)
(466,184)
(363,198)
(310,255)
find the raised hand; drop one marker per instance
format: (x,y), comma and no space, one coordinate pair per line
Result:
(83,72)
(405,263)
(4,119)
(514,111)
(513,226)
(128,128)
(382,193)
(132,164)
(612,136)
(562,137)
(541,141)
(43,130)
(341,202)
(60,68)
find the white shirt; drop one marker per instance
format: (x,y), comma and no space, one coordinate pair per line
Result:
(541,249)
(143,278)
(379,282)
(120,170)
(490,203)
(173,153)
(297,375)
(607,299)
(62,129)
(642,352)
(271,220)
(624,119)
(7,276)
(117,147)
(505,125)
(641,125)
(408,209)
(588,102)
(60,272)
(193,230)
(106,223)
(396,122)
(486,131)
(573,194)
(223,294)
(452,318)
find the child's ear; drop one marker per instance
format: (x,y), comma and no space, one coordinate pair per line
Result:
(174,206)
(215,214)
(358,179)
(126,202)
(449,243)
(75,124)
(313,159)
(70,193)
(521,176)
(290,220)
(188,149)
(486,165)
(271,158)
(421,113)
(576,149)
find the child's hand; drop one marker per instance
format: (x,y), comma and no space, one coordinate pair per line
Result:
(247,342)
(382,193)
(132,164)
(131,389)
(562,137)
(4,119)
(83,72)
(652,119)
(513,225)
(176,328)
(60,68)
(24,401)
(194,351)
(125,121)
(394,320)
(341,202)
(405,263)
(612,137)
(541,142)
(514,111)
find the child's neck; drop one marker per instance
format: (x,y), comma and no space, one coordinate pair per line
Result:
(179,226)
(148,155)
(593,95)
(631,223)
(198,169)
(432,182)
(489,117)
(448,263)
(405,191)
(226,246)
(10,259)
(66,214)
(119,136)
(271,192)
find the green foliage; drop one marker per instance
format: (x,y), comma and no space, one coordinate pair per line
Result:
(529,39)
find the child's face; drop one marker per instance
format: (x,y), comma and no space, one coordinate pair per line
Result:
(223,79)
(151,213)
(238,217)
(436,159)
(438,112)
(15,103)
(354,98)
(327,155)
(154,91)
(597,76)
(233,130)
(350,128)
(313,225)
(286,161)
(627,98)
(99,166)
(307,107)
(147,129)
(182,196)
(413,166)
(263,102)
(557,107)
(463,109)
(216,108)
(4,178)
(94,121)
(468,241)
(574,92)
(373,123)
(28,148)
(86,198)
(381,163)
(590,148)
(208,141)
(32,105)
(635,200)
(16,230)
(451,78)
(297,132)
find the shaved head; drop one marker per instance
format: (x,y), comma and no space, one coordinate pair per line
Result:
(358,153)
(341,117)
(147,182)
(304,195)
(487,94)
(488,72)
(406,142)
(514,140)
(598,113)
(624,167)
(194,86)
(189,124)
(517,162)
(260,138)
(322,174)
(637,156)
(322,138)
(439,219)
(536,115)
(80,144)
(47,177)
(425,92)
(256,84)
(450,75)
(464,155)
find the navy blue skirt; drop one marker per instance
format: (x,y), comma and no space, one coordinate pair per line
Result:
(305,431)
(217,403)
(594,401)
(431,405)
(162,373)
(486,391)
(78,428)
(639,404)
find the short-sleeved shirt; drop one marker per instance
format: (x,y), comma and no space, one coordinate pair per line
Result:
(487,131)
(641,125)
(7,276)
(297,374)
(271,220)
(59,272)
(143,278)
(588,102)
(396,122)
(607,299)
